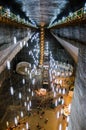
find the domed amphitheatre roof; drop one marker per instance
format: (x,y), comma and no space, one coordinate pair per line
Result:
(23,67)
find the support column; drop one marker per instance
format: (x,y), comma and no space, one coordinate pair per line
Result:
(78,111)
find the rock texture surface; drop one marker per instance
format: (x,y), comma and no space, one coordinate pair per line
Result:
(76,33)
(72,50)
(76,36)
(78,112)
(8,33)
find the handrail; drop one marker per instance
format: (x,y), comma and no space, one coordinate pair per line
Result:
(73,16)
(7,14)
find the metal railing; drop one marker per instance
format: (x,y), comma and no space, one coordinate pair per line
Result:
(79,14)
(5,13)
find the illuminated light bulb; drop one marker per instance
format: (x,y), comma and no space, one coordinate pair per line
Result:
(59,91)
(63,18)
(27,45)
(56,103)
(51,85)
(24,43)
(27,126)
(29,90)
(70,73)
(34,66)
(23,81)
(66,127)
(57,115)
(27,98)
(26,69)
(70,14)
(11,90)
(36,72)
(15,121)
(20,96)
(66,73)
(55,80)
(18,17)
(25,104)
(54,94)
(33,81)
(30,76)
(63,90)
(62,101)
(60,127)
(62,111)
(56,89)
(23,128)
(8,64)
(30,103)
(8,12)
(21,44)
(67,118)
(53,77)
(59,99)
(28,107)
(14,40)
(69,106)
(85,8)
(50,78)
(7,123)
(62,74)
(17,117)
(58,73)
(32,93)
(29,52)
(22,114)
(60,82)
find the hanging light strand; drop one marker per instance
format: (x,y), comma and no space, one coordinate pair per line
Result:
(42,46)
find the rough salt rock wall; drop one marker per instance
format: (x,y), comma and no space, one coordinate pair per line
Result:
(78,112)
(77,33)
(8,33)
